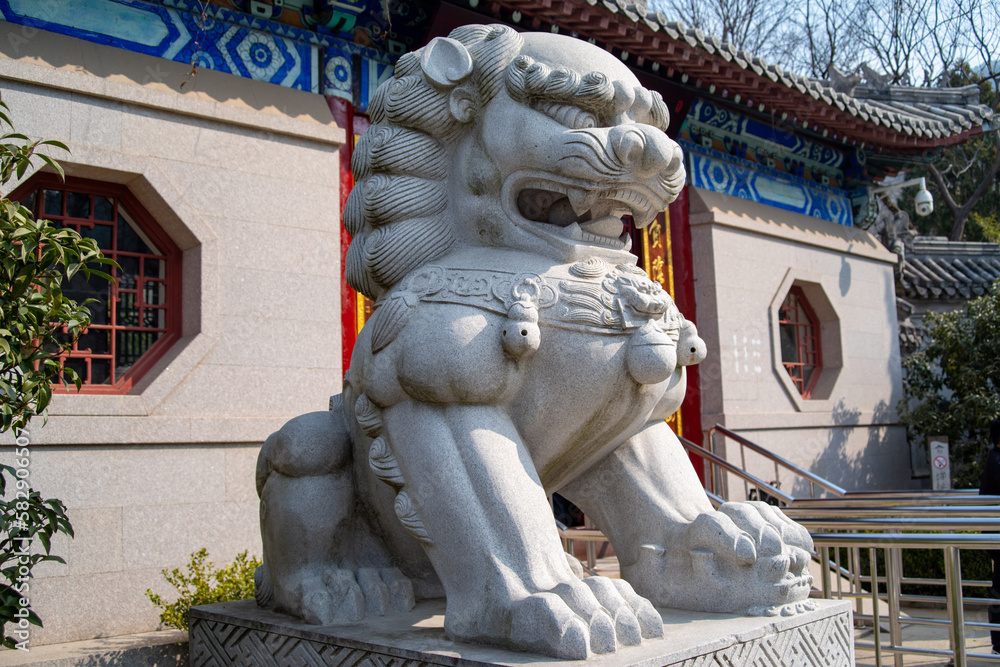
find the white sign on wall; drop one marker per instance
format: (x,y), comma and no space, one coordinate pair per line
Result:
(940,463)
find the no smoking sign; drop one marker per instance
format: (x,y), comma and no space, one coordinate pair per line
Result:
(940,464)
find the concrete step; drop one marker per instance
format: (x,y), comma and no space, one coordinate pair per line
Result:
(165,648)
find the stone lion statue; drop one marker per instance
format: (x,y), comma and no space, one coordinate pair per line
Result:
(516,350)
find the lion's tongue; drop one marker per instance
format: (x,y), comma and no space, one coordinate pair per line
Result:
(609,226)
(561,213)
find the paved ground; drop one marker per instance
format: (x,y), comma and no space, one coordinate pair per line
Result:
(167,648)
(920,636)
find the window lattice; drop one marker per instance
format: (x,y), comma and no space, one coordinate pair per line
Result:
(800,344)
(134,318)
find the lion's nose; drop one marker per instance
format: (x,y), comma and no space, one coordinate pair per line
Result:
(645,148)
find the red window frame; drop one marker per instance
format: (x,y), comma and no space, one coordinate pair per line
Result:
(168,295)
(798,320)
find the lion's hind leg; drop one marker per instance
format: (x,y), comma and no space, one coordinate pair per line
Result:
(471,495)
(321,561)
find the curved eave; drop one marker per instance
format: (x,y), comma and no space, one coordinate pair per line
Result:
(718,68)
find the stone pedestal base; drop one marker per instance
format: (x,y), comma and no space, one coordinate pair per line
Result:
(242,635)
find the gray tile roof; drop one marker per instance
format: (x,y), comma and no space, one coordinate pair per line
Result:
(897,117)
(938,269)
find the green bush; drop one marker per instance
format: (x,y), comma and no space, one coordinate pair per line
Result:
(37,324)
(36,258)
(951,386)
(929,563)
(203,584)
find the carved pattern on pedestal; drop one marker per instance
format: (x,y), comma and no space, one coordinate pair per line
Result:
(215,644)
(828,642)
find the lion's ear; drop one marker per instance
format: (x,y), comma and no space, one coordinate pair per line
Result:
(462,104)
(446,62)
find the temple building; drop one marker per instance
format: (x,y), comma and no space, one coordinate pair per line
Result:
(210,146)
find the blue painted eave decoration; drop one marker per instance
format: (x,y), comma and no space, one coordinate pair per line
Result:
(719,172)
(212,37)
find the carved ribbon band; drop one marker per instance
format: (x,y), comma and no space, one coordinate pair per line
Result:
(618,301)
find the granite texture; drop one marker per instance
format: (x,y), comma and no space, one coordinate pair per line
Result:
(515,350)
(133,516)
(239,634)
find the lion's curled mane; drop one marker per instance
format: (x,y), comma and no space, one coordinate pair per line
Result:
(394,212)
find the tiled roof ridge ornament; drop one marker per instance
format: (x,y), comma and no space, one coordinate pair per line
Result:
(516,350)
(874,79)
(843,83)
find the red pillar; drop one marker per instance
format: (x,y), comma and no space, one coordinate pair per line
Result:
(680,235)
(343,114)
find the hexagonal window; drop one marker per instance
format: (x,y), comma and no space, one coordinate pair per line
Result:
(805,340)
(801,351)
(137,317)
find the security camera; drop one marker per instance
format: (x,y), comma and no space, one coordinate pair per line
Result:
(924,202)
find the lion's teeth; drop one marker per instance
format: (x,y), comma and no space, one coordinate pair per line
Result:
(643,219)
(574,232)
(581,200)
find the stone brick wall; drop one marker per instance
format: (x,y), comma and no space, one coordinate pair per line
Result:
(746,257)
(243,176)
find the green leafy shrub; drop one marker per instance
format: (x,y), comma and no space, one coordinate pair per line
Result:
(929,563)
(952,385)
(37,324)
(203,584)
(35,259)
(24,517)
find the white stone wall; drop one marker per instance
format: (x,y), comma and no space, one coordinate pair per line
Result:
(244,177)
(745,257)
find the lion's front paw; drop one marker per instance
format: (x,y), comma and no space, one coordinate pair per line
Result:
(573,620)
(744,558)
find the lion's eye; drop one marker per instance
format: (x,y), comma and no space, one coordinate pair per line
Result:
(571,116)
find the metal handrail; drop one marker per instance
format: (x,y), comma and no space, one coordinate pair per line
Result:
(907,516)
(892,544)
(908,540)
(778,460)
(736,470)
(896,500)
(900,520)
(903,523)
(984,511)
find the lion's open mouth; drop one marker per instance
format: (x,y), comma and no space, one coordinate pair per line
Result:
(590,216)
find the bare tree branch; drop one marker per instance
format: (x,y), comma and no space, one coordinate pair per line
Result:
(961,212)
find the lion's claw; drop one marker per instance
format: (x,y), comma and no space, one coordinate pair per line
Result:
(572,620)
(746,557)
(790,609)
(627,627)
(650,621)
(544,624)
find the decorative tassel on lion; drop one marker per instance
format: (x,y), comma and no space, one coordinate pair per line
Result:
(515,350)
